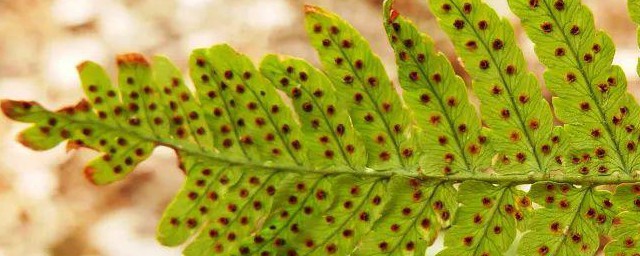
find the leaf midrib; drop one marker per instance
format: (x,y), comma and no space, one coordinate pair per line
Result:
(459,177)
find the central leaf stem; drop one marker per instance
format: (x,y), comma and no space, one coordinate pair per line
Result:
(193,149)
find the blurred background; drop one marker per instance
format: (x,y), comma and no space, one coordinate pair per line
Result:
(46,205)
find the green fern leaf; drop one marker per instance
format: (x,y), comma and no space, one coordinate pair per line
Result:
(220,115)
(625,235)
(361,82)
(570,222)
(125,137)
(236,212)
(331,137)
(358,204)
(624,231)
(590,92)
(512,106)
(189,210)
(451,131)
(634,11)
(245,88)
(188,117)
(318,216)
(487,221)
(239,86)
(520,123)
(412,219)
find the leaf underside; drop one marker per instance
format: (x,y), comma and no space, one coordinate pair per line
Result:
(285,158)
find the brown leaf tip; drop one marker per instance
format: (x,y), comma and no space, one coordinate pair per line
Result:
(7,107)
(308,9)
(393,15)
(89,174)
(14,108)
(131,58)
(82,65)
(72,145)
(24,141)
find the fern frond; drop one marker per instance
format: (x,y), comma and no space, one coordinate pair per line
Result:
(121,130)
(520,120)
(451,134)
(288,159)
(361,81)
(590,92)
(264,128)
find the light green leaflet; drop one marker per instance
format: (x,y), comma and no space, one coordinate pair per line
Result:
(570,222)
(590,92)
(375,107)
(518,118)
(319,216)
(624,231)
(185,115)
(332,139)
(412,220)
(243,87)
(634,11)
(512,106)
(220,115)
(236,209)
(486,222)
(288,159)
(451,131)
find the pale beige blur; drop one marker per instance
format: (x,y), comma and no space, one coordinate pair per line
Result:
(46,205)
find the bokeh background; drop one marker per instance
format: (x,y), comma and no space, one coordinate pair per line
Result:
(46,205)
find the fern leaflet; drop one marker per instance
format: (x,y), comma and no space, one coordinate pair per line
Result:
(451,131)
(375,107)
(590,92)
(511,102)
